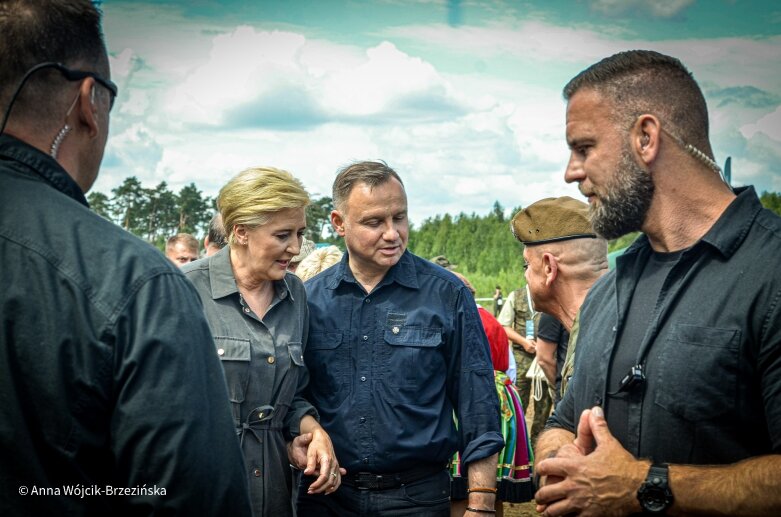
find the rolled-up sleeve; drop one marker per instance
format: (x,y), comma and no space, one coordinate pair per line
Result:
(471,383)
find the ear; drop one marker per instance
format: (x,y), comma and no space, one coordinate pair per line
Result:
(644,137)
(550,268)
(88,109)
(240,233)
(337,221)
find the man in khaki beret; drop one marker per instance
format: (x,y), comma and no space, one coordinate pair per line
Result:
(563,257)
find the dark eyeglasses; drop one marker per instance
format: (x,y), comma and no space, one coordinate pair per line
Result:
(78,75)
(70,75)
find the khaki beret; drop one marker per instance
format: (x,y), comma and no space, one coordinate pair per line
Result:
(442,261)
(307,247)
(552,219)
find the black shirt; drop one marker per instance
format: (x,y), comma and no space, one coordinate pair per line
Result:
(713,386)
(646,298)
(109,380)
(550,329)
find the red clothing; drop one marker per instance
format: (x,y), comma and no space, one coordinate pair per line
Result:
(497,338)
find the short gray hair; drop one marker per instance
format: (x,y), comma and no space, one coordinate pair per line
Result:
(370,173)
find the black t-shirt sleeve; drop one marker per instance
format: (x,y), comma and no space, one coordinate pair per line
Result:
(549,328)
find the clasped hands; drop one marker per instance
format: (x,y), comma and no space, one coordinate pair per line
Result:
(314,454)
(592,476)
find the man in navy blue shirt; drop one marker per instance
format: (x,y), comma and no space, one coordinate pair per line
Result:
(395,347)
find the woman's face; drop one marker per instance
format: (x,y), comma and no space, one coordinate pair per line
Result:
(270,247)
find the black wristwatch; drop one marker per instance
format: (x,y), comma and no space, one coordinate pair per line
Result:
(654,495)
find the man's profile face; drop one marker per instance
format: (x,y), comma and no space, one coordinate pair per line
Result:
(618,189)
(181,254)
(373,222)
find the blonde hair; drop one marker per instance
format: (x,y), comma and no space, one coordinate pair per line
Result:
(253,196)
(318,261)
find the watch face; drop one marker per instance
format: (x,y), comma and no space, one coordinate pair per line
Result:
(654,499)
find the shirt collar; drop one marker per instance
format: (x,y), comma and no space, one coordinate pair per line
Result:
(43,165)
(403,273)
(223,283)
(729,230)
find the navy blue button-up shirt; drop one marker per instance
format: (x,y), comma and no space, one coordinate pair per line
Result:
(387,369)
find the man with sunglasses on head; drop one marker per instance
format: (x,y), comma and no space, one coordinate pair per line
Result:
(111,393)
(674,406)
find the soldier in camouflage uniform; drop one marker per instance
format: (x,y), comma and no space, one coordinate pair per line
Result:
(513,317)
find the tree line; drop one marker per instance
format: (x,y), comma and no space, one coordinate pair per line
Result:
(481,246)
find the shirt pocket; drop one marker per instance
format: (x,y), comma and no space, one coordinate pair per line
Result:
(296,353)
(698,372)
(412,355)
(328,357)
(235,355)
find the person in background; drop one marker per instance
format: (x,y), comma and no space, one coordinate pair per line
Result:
(563,258)
(513,472)
(676,392)
(112,401)
(181,249)
(258,315)
(396,346)
(498,301)
(307,247)
(318,261)
(215,238)
(518,320)
(552,343)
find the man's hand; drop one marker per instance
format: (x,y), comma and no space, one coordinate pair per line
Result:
(314,454)
(296,450)
(594,476)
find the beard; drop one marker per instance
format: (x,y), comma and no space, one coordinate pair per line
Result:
(623,206)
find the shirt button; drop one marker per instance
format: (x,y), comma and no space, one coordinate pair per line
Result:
(246,309)
(220,351)
(368,300)
(271,359)
(363,419)
(256,473)
(366,338)
(363,378)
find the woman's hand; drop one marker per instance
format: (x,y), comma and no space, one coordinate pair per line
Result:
(319,459)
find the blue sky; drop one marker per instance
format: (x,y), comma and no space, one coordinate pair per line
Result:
(462,98)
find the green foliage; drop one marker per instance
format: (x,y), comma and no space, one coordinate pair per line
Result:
(155,213)
(483,248)
(622,242)
(318,218)
(195,211)
(771,201)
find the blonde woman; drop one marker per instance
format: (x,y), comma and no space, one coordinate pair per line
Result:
(258,316)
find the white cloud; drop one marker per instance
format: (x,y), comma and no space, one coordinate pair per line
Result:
(201,101)
(770,125)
